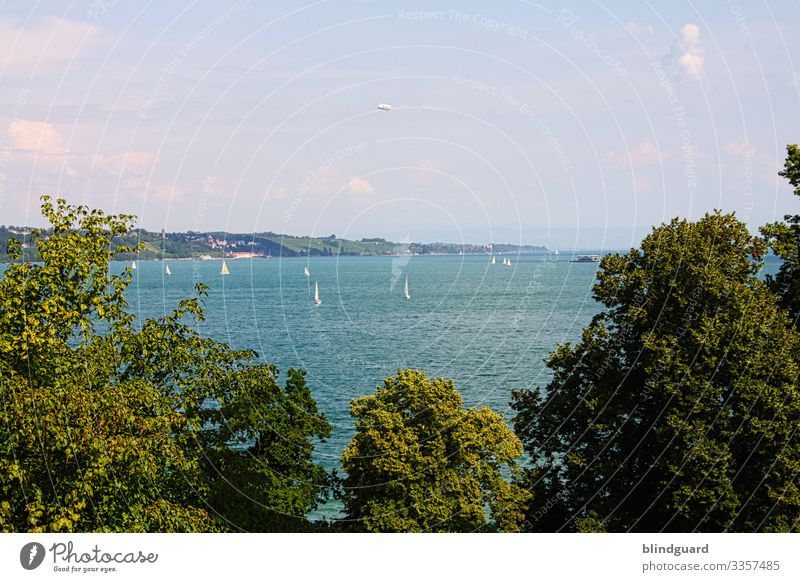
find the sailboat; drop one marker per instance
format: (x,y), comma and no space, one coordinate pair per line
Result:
(492,262)
(133,265)
(317,300)
(508,263)
(305,272)
(406,294)
(224,269)
(167,272)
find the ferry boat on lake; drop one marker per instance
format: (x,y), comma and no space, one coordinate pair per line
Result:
(586,259)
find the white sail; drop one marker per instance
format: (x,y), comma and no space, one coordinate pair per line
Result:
(305,272)
(133,265)
(508,264)
(167,271)
(406,294)
(492,261)
(224,269)
(317,300)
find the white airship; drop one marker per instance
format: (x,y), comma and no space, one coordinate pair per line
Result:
(384,106)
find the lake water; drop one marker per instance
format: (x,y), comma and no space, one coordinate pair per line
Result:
(488,327)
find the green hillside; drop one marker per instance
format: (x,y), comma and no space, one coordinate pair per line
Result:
(181,245)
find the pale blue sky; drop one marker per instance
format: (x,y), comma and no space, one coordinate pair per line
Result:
(575,125)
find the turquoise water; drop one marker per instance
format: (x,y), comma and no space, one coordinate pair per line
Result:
(488,327)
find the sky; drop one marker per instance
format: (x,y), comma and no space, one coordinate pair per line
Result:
(572,124)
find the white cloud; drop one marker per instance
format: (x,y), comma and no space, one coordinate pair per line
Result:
(42,143)
(690,36)
(692,60)
(359,186)
(53,41)
(645,154)
(639,29)
(37,136)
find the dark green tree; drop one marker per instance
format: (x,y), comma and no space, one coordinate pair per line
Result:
(421,462)
(784,240)
(108,424)
(679,408)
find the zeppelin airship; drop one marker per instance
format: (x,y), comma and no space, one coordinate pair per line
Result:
(384,106)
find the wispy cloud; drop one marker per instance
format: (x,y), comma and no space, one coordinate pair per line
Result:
(692,60)
(36,136)
(51,42)
(359,186)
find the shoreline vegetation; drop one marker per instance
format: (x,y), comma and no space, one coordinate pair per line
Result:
(676,411)
(149,245)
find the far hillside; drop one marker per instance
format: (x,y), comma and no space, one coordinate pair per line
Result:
(184,245)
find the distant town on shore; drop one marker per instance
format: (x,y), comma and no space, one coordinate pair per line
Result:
(210,245)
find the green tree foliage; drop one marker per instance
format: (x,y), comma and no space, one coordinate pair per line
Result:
(421,462)
(107,424)
(678,410)
(784,240)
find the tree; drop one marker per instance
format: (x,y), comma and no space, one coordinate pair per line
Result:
(679,407)
(107,424)
(784,240)
(420,462)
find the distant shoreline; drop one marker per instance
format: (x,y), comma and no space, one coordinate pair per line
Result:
(217,245)
(564,254)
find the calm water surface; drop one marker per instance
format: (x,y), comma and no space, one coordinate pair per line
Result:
(488,327)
